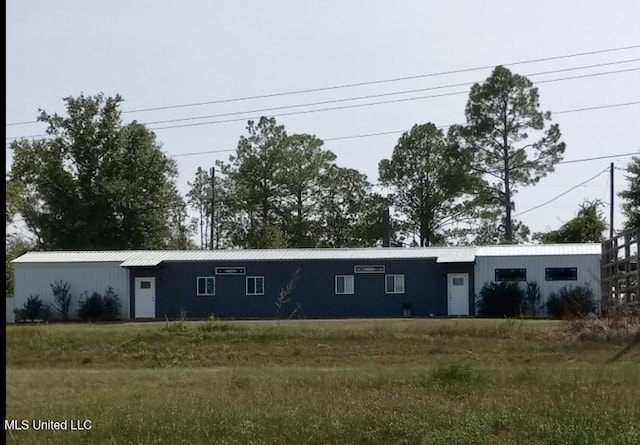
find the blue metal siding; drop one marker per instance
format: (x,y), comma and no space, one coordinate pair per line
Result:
(314,291)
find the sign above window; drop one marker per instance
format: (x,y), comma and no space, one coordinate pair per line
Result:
(368,269)
(231,270)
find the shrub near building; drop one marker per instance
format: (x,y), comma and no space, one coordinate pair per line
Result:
(571,302)
(502,299)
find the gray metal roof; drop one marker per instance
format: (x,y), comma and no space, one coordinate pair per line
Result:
(75,257)
(132,258)
(153,258)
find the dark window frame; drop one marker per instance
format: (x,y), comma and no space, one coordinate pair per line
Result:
(255,279)
(205,292)
(511,272)
(571,276)
(395,286)
(347,278)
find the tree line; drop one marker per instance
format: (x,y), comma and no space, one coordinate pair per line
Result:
(98,183)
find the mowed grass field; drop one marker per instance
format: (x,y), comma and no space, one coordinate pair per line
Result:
(408,381)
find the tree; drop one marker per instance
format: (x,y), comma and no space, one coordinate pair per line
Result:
(199,199)
(182,228)
(487,233)
(15,246)
(94,183)
(349,213)
(587,226)
(275,179)
(631,196)
(300,177)
(503,117)
(429,176)
(256,169)
(15,198)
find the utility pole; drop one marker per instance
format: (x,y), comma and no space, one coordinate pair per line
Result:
(213,201)
(611,196)
(386,228)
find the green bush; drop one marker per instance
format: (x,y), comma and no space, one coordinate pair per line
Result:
(571,302)
(111,305)
(96,307)
(531,303)
(33,309)
(502,299)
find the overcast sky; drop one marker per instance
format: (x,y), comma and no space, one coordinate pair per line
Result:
(159,53)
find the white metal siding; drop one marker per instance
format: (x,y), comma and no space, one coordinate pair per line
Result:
(36,279)
(588,271)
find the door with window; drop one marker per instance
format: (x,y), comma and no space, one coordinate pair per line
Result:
(458,293)
(145,297)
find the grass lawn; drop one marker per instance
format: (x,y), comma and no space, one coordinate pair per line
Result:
(406,381)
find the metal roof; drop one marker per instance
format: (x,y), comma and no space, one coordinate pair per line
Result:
(75,257)
(153,258)
(133,258)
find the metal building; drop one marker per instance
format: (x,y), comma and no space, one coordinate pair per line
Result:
(35,272)
(551,266)
(312,283)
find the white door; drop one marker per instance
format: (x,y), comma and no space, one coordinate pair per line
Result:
(458,293)
(145,297)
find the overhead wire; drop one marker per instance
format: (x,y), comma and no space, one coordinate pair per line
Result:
(374,82)
(560,195)
(373,96)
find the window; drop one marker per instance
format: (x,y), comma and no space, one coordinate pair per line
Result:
(394,284)
(206,286)
(344,284)
(457,281)
(255,285)
(511,275)
(561,274)
(145,285)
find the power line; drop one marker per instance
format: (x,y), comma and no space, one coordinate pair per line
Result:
(619,155)
(371,96)
(384,133)
(349,99)
(369,104)
(561,194)
(349,106)
(374,82)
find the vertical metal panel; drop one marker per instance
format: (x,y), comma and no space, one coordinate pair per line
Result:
(588,271)
(36,279)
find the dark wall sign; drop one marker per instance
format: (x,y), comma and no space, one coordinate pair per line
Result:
(231,270)
(368,269)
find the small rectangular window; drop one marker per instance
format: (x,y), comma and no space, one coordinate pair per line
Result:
(255,285)
(344,284)
(457,281)
(394,284)
(206,286)
(511,275)
(145,285)
(561,274)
